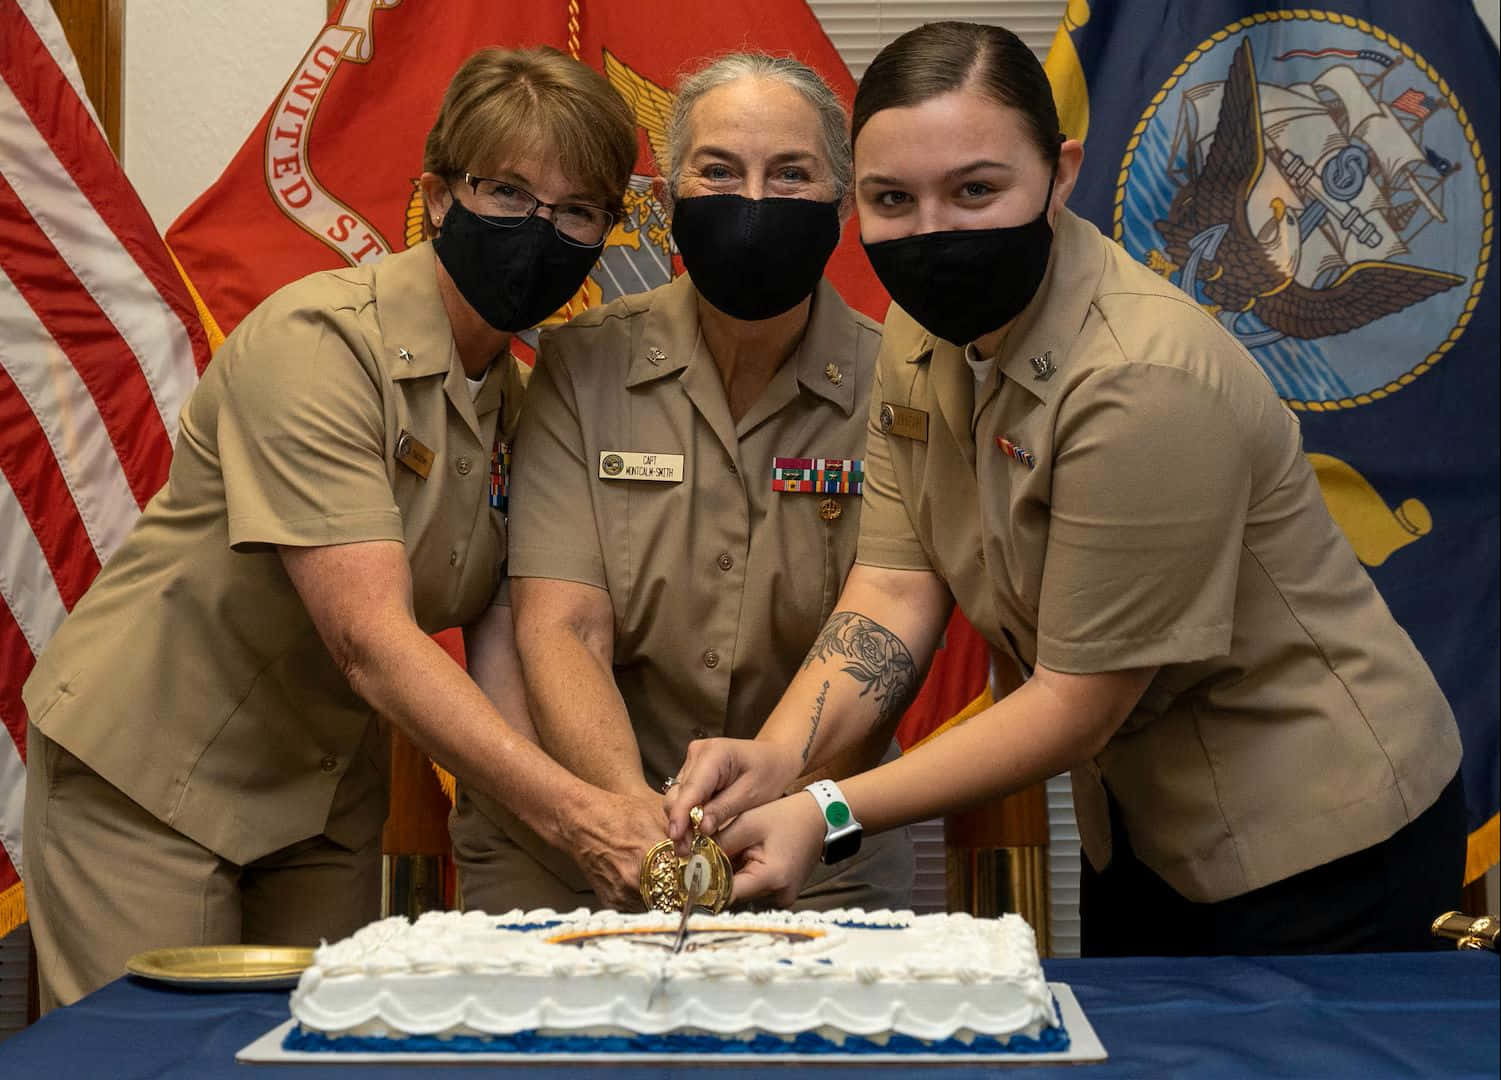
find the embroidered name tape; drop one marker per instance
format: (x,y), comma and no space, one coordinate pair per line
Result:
(821,476)
(629,465)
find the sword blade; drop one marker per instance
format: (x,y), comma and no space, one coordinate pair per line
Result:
(695,881)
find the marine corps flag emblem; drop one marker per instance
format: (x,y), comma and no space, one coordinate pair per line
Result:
(1321,182)
(329,177)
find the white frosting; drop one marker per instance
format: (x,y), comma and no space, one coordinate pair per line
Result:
(928,976)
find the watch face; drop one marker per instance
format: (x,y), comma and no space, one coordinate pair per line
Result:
(841,845)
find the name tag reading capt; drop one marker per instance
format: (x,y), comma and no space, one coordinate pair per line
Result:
(630,465)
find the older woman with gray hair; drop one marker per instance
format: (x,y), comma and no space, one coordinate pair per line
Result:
(685,487)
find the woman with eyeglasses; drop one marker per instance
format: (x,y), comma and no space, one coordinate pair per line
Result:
(1069,448)
(686,493)
(207,744)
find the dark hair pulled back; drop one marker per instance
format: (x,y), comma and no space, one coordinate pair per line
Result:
(939,57)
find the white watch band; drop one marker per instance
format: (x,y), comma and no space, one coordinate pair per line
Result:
(836,811)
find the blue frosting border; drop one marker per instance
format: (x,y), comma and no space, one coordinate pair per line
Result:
(1049,1040)
(526,927)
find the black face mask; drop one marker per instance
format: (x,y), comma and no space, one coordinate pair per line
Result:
(963,284)
(755,258)
(513,277)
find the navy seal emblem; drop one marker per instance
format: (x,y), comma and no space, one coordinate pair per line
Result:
(1328,204)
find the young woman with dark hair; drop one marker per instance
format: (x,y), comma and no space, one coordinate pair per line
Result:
(1106,483)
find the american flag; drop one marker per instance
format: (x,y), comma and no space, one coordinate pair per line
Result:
(1415,103)
(99,347)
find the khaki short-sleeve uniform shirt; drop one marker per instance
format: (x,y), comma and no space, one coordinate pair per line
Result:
(190,675)
(1126,490)
(631,476)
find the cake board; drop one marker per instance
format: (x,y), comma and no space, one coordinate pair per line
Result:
(1084,1048)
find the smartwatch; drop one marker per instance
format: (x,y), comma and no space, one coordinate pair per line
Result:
(842,832)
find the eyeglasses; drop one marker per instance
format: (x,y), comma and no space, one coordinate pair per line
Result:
(506,206)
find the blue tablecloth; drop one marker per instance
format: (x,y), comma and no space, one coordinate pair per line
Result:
(1366,1016)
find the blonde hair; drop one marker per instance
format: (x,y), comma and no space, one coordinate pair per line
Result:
(509,102)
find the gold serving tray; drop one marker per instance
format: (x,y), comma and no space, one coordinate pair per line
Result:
(222,967)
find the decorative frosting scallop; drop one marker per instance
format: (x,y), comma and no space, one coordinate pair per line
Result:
(849,972)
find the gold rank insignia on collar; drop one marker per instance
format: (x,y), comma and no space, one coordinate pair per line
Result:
(403,354)
(655,356)
(1042,366)
(833,374)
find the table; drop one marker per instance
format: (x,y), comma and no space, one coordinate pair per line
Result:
(1369,1016)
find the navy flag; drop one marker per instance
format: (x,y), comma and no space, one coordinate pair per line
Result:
(1322,182)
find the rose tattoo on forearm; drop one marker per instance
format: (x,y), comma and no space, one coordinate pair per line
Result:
(874,656)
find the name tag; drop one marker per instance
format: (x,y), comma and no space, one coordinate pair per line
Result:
(900,420)
(627,465)
(413,454)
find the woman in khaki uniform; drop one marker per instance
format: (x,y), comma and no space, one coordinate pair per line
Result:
(687,485)
(206,742)
(1106,483)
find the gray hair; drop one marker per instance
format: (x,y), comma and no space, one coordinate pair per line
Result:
(732,67)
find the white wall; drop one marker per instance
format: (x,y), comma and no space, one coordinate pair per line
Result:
(197,76)
(1490,14)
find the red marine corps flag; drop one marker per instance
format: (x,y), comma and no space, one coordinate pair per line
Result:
(329,176)
(99,347)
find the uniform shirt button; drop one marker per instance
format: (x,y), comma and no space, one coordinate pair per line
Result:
(453,558)
(462,466)
(733,470)
(726,561)
(329,763)
(711,658)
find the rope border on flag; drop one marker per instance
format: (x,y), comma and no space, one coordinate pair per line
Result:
(573,29)
(1466,126)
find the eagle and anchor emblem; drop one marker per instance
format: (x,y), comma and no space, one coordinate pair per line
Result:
(1316,185)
